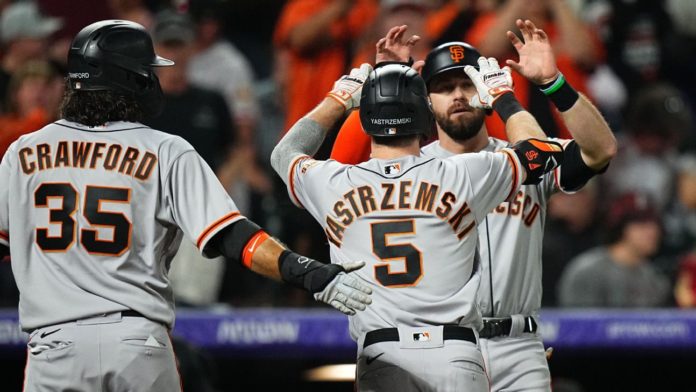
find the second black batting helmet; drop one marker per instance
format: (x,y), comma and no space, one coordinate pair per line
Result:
(117,55)
(448,56)
(394,102)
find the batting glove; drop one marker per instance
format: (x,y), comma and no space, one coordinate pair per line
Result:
(348,88)
(345,292)
(490,80)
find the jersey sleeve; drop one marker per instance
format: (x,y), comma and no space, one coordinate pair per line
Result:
(493,177)
(5,171)
(198,203)
(352,145)
(308,179)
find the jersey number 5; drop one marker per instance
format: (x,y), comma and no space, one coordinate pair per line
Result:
(92,211)
(385,251)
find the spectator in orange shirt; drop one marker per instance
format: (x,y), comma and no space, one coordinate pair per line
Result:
(317,35)
(413,13)
(32,102)
(576,47)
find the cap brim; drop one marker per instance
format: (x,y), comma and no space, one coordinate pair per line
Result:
(161,62)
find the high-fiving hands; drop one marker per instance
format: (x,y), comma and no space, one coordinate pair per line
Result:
(490,80)
(537,63)
(348,88)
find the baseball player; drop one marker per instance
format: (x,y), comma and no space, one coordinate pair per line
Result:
(413,219)
(93,207)
(510,236)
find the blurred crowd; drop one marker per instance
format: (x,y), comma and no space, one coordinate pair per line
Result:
(626,240)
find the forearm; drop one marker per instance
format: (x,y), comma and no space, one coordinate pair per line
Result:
(519,123)
(591,132)
(306,136)
(521,126)
(265,259)
(312,34)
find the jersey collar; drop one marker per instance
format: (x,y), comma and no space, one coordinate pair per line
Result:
(112,126)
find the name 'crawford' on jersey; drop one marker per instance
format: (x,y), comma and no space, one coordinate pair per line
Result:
(127,160)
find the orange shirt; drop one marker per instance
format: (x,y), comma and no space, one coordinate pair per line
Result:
(311,76)
(11,127)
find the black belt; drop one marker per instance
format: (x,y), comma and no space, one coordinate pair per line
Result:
(449,332)
(493,328)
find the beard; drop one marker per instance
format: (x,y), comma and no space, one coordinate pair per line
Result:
(463,127)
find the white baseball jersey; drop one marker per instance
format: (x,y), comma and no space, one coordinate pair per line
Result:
(413,220)
(93,217)
(510,243)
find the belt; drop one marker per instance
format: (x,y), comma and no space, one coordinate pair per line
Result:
(494,328)
(449,332)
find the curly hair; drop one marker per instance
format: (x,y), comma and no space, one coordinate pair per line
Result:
(95,108)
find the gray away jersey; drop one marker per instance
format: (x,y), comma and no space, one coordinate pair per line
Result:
(93,217)
(510,243)
(413,221)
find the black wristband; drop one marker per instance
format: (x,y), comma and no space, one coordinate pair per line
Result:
(407,63)
(560,92)
(305,273)
(507,105)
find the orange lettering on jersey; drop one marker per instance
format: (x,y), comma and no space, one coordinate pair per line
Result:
(343,213)
(146,165)
(367,199)
(332,239)
(62,156)
(28,166)
(425,199)
(96,154)
(446,204)
(43,156)
(350,196)
(128,162)
(466,230)
(516,204)
(113,154)
(386,198)
(456,219)
(80,153)
(529,219)
(404,195)
(335,230)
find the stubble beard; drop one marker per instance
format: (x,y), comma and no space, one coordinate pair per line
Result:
(462,128)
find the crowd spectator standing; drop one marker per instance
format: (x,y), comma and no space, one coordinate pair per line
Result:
(25,34)
(201,117)
(571,228)
(620,273)
(318,35)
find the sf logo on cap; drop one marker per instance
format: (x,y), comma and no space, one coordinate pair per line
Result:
(457,53)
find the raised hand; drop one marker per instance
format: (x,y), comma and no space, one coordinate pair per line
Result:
(347,89)
(392,47)
(490,80)
(537,62)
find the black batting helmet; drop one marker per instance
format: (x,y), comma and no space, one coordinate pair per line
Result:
(394,102)
(117,55)
(448,56)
